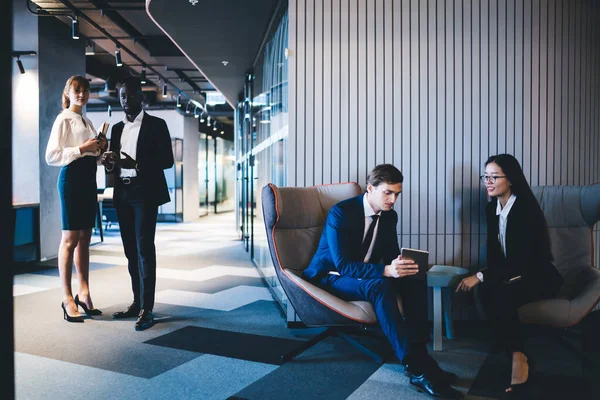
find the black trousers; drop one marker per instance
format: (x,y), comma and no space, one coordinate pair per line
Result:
(137,222)
(406,333)
(501,303)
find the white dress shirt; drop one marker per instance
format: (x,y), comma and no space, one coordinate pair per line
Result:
(503,216)
(70,130)
(129,140)
(369,212)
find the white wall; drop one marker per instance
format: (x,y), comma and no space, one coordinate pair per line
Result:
(25,109)
(191,192)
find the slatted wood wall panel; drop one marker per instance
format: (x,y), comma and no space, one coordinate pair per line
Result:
(435,87)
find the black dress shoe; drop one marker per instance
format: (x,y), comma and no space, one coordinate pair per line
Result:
(132,311)
(431,366)
(145,320)
(428,385)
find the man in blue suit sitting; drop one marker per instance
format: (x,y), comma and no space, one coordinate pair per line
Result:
(358,258)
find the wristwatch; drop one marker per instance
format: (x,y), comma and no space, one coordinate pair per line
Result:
(479,276)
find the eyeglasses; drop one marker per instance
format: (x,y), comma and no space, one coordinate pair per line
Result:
(490,178)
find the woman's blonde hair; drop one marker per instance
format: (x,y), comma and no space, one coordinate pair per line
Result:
(74,81)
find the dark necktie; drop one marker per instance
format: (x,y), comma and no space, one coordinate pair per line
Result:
(369,237)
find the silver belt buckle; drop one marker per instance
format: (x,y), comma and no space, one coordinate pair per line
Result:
(126,181)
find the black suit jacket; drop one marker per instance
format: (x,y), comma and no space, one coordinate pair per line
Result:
(528,253)
(340,247)
(154,154)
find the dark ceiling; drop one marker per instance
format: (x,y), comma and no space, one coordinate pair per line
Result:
(125,23)
(221,38)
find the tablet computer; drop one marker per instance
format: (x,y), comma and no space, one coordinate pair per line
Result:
(421,257)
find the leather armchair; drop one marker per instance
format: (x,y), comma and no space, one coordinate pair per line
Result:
(294,220)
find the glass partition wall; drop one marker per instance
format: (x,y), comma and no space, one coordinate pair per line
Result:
(216,175)
(260,149)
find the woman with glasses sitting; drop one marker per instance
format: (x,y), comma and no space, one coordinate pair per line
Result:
(519,260)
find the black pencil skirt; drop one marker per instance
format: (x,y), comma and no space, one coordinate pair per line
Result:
(78,194)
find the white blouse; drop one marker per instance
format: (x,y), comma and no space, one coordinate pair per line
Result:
(68,133)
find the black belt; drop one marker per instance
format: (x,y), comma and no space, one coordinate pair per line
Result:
(129,180)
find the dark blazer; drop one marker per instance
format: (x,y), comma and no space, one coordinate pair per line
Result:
(154,154)
(340,246)
(528,253)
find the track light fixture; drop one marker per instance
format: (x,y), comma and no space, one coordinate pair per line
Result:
(208,121)
(90,48)
(18,54)
(164,90)
(196,115)
(20,65)
(202,119)
(75,28)
(188,108)
(215,126)
(118,57)
(143,77)
(179,101)
(109,111)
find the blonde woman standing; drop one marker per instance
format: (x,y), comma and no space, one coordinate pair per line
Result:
(73,145)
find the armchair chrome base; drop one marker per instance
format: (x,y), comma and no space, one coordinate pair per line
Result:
(331,332)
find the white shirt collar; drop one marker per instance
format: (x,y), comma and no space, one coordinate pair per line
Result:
(369,212)
(136,120)
(503,212)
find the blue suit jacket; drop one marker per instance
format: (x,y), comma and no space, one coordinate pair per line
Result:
(340,246)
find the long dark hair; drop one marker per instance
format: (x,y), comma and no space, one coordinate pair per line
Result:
(520,188)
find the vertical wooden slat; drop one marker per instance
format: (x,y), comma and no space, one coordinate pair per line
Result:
(550,97)
(309,98)
(387,82)
(301,84)
(354,97)
(404,110)
(345,88)
(330,153)
(320,140)
(379,45)
(293,92)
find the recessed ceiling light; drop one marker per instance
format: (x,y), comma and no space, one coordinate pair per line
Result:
(225,63)
(193,2)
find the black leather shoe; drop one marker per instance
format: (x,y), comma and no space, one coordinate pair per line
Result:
(429,386)
(145,320)
(132,311)
(431,366)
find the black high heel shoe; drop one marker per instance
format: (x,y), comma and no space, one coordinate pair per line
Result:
(521,390)
(88,311)
(68,317)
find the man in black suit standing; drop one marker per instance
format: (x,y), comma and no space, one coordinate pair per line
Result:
(140,149)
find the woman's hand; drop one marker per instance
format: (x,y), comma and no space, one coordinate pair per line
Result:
(91,146)
(468,283)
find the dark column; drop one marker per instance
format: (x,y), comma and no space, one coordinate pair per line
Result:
(7,377)
(59,57)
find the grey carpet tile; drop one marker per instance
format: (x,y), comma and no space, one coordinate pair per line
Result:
(210,286)
(204,377)
(329,370)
